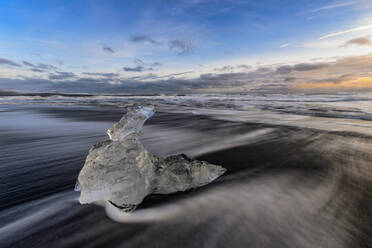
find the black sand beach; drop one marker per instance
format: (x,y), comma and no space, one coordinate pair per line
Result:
(285,186)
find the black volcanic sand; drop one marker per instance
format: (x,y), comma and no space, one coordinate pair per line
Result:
(292,188)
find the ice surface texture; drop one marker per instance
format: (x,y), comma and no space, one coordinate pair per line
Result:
(120,170)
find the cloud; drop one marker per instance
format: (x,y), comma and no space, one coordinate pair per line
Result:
(108,49)
(26,84)
(172,75)
(229,68)
(141,66)
(138,68)
(156,64)
(8,62)
(332,6)
(61,75)
(337,79)
(346,31)
(140,62)
(28,63)
(300,67)
(43,66)
(101,74)
(59,62)
(289,79)
(40,67)
(182,47)
(149,76)
(226,68)
(284,45)
(244,67)
(143,39)
(362,41)
(36,70)
(152,76)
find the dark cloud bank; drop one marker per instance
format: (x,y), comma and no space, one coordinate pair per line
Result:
(268,79)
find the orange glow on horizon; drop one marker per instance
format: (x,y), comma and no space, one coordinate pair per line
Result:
(362,82)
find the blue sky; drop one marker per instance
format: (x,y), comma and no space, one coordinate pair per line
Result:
(125,44)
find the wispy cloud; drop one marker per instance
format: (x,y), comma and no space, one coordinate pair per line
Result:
(138,68)
(61,76)
(182,46)
(360,28)
(28,64)
(8,62)
(108,49)
(300,67)
(59,62)
(244,67)
(332,6)
(152,76)
(143,39)
(175,74)
(36,70)
(101,74)
(156,64)
(284,45)
(231,69)
(140,62)
(226,68)
(43,66)
(361,41)
(39,67)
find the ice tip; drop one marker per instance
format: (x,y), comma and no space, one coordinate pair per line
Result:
(77,186)
(147,111)
(131,122)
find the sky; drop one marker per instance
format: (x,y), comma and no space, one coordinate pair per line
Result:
(186,46)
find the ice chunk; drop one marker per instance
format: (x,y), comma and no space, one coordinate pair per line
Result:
(180,173)
(123,172)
